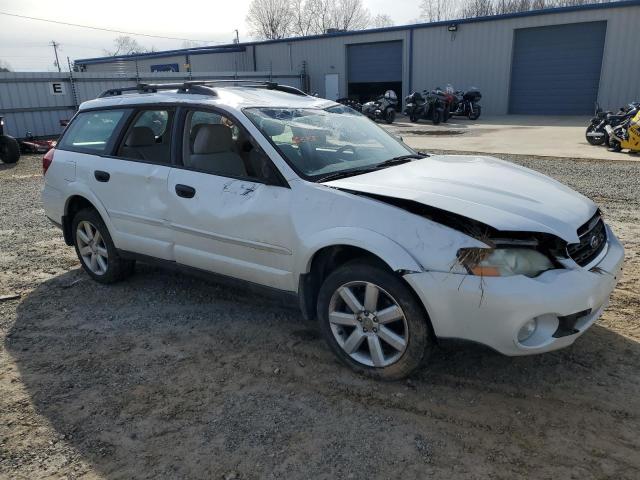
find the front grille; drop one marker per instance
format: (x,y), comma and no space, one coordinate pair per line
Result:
(593,238)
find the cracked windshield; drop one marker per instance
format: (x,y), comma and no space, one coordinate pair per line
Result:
(318,142)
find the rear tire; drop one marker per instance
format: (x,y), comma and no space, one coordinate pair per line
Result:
(386,335)
(95,249)
(594,140)
(9,149)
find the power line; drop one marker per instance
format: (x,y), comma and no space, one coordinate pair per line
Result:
(102,29)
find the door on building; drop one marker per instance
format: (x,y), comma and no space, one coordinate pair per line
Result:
(556,69)
(374,68)
(331,86)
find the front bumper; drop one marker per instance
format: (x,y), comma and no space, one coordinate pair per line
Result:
(492,310)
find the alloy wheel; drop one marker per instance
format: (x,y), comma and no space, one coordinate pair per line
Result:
(92,248)
(368,324)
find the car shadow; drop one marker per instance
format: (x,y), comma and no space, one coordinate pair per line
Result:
(170,376)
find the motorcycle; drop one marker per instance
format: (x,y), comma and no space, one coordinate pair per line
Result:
(596,133)
(465,103)
(426,105)
(626,135)
(383,108)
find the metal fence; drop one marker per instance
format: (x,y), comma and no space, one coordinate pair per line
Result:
(39,103)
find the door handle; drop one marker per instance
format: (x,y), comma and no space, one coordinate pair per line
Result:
(185,191)
(101,176)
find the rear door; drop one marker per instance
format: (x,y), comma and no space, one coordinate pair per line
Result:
(229,209)
(131,179)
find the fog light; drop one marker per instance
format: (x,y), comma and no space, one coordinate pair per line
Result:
(527,330)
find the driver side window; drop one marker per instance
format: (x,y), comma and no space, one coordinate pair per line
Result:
(215,144)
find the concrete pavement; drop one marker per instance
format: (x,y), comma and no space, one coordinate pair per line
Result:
(511,134)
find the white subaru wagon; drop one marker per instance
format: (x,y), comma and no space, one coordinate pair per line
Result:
(391,250)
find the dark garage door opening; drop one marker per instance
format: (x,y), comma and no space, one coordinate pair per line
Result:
(556,70)
(374,68)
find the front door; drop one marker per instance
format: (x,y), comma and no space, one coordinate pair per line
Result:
(228,213)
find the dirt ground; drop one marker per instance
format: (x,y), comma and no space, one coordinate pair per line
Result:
(169,376)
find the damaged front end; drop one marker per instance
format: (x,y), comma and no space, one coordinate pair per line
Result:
(503,253)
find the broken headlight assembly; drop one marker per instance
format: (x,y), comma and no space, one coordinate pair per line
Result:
(504,261)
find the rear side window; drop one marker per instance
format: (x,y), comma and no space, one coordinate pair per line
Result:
(91,131)
(148,138)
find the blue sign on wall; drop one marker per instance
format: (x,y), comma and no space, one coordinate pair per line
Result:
(165,67)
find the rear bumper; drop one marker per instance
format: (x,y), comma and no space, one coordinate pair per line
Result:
(492,310)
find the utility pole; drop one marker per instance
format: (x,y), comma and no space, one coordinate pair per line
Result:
(237,40)
(55,46)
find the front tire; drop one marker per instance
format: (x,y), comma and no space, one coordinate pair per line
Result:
(475,114)
(390,116)
(372,321)
(436,117)
(96,250)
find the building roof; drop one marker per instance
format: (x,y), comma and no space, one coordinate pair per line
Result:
(241,47)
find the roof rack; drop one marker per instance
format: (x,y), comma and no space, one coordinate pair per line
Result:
(200,87)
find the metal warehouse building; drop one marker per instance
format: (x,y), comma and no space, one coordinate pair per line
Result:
(554,61)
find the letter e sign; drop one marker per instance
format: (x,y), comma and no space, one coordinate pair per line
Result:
(57,88)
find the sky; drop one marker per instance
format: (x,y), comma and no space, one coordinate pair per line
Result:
(25,44)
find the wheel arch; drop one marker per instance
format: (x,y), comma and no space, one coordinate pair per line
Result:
(332,251)
(78,200)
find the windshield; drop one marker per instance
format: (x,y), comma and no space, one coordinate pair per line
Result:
(318,143)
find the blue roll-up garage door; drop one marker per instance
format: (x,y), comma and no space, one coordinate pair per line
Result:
(556,70)
(375,62)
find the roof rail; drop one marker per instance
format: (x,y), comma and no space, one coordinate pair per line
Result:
(201,87)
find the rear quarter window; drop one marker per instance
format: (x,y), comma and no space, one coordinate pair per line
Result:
(91,131)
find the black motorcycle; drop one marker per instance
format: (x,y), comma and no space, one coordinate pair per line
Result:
(596,133)
(382,108)
(426,105)
(465,104)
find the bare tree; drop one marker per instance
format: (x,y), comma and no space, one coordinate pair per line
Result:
(303,17)
(477,8)
(270,19)
(381,20)
(125,45)
(437,10)
(351,15)
(4,66)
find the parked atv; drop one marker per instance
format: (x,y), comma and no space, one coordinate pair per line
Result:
(465,103)
(383,108)
(425,105)
(9,148)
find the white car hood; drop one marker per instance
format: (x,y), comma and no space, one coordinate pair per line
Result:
(498,193)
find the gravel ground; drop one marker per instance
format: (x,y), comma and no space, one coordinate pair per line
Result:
(169,376)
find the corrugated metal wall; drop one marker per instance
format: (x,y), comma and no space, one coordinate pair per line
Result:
(324,55)
(480,54)
(28,103)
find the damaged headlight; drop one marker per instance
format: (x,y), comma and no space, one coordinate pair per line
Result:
(504,262)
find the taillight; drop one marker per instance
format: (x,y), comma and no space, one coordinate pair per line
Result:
(47,159)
